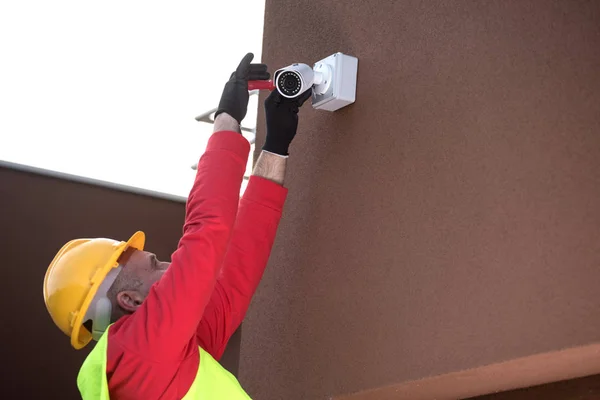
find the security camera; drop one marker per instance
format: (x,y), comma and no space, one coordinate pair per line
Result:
(296,79)
(332,81)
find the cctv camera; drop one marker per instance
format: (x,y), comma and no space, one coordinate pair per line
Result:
(296,79)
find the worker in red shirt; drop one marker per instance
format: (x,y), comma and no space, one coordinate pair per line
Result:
(160,326)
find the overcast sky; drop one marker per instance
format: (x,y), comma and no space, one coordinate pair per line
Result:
(109,90)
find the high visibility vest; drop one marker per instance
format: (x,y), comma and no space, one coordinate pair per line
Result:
(212,380)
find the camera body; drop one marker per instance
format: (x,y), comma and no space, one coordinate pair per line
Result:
(294,80)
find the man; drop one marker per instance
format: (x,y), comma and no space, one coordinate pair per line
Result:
(159,326)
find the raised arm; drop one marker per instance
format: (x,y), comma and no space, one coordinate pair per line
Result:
(255,228)
(166,321)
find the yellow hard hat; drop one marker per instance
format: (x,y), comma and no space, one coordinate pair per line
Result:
(74,276)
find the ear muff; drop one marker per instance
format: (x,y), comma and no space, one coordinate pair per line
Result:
(100,309)
(101,319)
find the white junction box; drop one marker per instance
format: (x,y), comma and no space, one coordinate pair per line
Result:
(338,88)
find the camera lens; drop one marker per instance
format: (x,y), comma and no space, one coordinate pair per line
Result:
(289,83)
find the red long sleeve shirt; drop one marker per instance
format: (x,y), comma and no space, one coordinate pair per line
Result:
(203,296)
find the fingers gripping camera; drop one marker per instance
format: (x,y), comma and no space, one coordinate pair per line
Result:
(332,80)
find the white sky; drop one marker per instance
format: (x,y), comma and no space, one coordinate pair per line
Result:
(109,90)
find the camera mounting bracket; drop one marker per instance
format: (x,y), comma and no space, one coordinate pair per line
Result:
(338,86)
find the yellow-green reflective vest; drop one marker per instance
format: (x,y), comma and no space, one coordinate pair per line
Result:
(212,380)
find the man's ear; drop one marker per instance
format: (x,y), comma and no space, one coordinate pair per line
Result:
(129,300)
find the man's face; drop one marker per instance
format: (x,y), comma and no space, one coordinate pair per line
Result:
(146,266)
(141,270)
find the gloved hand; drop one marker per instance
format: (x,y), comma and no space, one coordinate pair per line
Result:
(282,121)
(234,100)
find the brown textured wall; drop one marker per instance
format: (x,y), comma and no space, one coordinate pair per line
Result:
(447,220)
(521,372)
(577,389)
(39,214)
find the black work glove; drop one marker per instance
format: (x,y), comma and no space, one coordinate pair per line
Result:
(234,100)
(282,121)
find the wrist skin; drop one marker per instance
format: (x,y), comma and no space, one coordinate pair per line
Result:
(271,166)
(225,122)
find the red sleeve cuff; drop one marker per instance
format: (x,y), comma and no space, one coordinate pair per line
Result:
(230,141)
(266,193)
